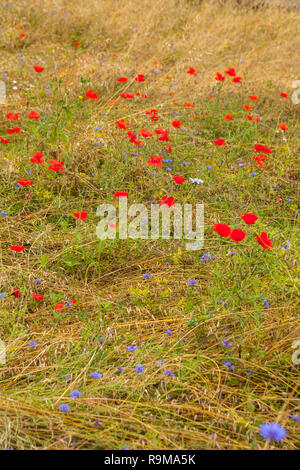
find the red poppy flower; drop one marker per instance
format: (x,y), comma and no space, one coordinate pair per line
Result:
(192,71)
(264,241)
(222,229)
(12,116)
(188,105)
(249,219)
(33,115)
(179,179)
(219,77)
(122,124)
(230,71)
(76,43)
(92,95)
(16,293)
(126,95)
(219,142)
(121,79)
(259,159)
(176,124)
(22,35)
(261,148)
(37,297)
(120,194)
(16,130)
(56,165)
(155,161)
(81,215)
(17,248)
(58,306)
(145,133)
(3,141)
(248,107)
(167,201)
(283,127)
(132,137)
(24,182)
(38,68)
(284,95)
(237,235)
(163,134)
(229,117)
(237,80)
(37,158)
(253,98)
(140,78)
(250,118)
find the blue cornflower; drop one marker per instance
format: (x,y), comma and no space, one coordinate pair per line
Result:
(169,373)
(132,348)
(192,282)
(272,431)
(75,394)
(64,407)
(267,305)
(37,281)
(2,295)
(125,446)
(229,365)
(249,371)
(168,332)
(34,343)
(205,257)
(139,368)
(4,214)
(295,417)
(121,369)
(96,375)
(287,245)
(147,275)
(226,343)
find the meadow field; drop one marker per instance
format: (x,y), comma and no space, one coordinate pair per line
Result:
(138,343)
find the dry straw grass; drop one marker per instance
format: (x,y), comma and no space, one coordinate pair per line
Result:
(212,35)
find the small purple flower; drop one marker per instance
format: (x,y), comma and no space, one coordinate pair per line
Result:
(132,348)
(34,343)
(147,275)
(139,368)
(96,375)
(226,343)
(64,407)
(168,332)
(192,282)
(295,417)
(75,394)
(125,446)
(169,373)
(229,365)
(272,431)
